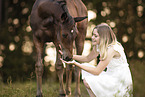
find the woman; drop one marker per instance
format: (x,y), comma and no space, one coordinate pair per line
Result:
(117,80)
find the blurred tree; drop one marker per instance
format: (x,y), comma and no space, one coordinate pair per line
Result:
(16,48)
(126,17)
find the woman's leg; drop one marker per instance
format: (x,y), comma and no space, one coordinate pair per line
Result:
(89,89)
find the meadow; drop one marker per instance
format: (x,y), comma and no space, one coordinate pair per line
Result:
(28,89)
(51,88)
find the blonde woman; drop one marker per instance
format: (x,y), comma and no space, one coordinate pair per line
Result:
(117,80)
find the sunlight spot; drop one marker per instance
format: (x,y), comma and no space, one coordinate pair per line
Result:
(16,38)
(46,59)
(91,15)
(49,51)
(140,10)
(104,4)
(52,68)
(2,47)
(10,20)
(112,24)
(121,13)
(125,38)
(89,30)
(129,30)
(15,21)
(103,13)
(25,11)
(12,47)
(1,59)
(139,14)
(115,30)
(143,36)
(51,54)
(131,53)
(140,54)
(27,47)
(87,47)
(28,29)
(107,10)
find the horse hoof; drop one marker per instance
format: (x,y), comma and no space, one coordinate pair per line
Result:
(62,95)
(68,92)
(39,95)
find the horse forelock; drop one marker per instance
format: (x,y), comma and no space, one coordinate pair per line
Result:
(69,22)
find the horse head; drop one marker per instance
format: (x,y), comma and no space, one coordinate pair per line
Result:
(67,34)
(67,31)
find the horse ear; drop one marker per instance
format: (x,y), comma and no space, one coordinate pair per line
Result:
(78,19)
(64,16)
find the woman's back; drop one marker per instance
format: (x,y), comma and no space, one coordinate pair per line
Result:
(120,61)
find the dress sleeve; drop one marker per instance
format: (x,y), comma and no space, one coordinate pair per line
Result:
(118,47)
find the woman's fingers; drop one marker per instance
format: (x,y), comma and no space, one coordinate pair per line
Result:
(61,59)
(60,46)
(63,62)
(67,62)
(60,52)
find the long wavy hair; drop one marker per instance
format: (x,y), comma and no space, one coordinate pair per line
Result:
(107,38)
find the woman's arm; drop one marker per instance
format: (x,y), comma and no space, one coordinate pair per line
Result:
(92,55)
(99,68)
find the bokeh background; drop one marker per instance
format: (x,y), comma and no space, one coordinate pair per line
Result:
(17,53)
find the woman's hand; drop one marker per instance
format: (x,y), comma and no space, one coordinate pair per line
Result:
(63,61)
(68,62)
(60,51)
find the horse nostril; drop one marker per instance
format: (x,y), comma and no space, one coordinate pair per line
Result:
(67,59)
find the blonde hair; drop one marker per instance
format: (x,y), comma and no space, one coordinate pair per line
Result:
(107,38)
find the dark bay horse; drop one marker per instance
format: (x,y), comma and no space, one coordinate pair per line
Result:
(61,22)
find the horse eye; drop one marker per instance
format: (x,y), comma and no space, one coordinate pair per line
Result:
(64,35)
(72,31)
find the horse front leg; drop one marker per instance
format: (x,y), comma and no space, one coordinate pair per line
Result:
(38,66)
(39,72)
(60,71)
(68,79)
(77,80)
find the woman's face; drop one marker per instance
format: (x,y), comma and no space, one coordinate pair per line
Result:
(95,38)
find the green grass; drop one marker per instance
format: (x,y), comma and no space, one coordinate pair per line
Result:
(138,75)
(28,89)
(51,88)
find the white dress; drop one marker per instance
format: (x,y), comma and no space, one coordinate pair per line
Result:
(116,81)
